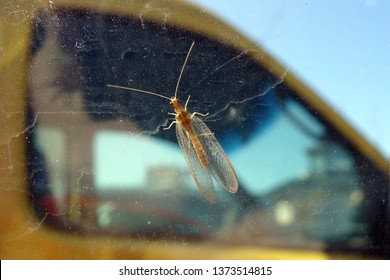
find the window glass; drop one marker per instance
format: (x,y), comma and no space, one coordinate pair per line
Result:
(101,162)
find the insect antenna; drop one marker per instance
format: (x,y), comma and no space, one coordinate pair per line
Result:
(154,93)
(138,90)
(182,69)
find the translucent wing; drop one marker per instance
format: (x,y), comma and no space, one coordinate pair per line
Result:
(200,174)
(219,164)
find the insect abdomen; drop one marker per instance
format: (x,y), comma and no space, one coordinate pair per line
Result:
(183,118)
(199,150)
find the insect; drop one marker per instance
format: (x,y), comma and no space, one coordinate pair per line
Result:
(202,152)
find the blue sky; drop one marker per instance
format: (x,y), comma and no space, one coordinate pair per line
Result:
(341,49)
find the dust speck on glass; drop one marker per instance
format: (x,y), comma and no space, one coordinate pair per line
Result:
(100,162)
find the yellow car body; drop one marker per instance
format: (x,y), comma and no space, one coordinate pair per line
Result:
(24,235)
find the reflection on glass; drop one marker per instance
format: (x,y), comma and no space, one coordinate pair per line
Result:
(51,143)
(125,161)
(100,163)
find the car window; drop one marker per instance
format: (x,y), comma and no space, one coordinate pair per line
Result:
(100,162)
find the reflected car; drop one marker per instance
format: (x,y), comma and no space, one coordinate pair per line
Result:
(92,173)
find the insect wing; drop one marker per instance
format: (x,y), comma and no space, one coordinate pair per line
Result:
(219,164)
(200,174)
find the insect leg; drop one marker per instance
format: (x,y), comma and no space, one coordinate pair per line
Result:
(194,113)
(172,123)
(200,114)
(188,100)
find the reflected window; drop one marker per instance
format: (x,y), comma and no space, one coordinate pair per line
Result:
(125,161)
